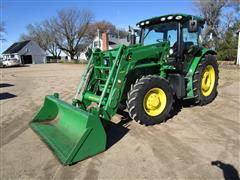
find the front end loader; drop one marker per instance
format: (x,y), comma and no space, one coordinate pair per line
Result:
(167,63)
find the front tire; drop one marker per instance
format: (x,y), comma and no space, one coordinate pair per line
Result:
(205,80)
(150,100)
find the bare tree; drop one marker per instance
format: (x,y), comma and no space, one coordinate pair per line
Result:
(211,11)
(70,27)
(235,5)
(228,20)
(43,36)
(105,26)
(122,33)
(2,31)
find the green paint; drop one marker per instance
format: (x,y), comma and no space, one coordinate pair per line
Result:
(192,69)
(69,131)
(91,97)
(185,17)
(75,131)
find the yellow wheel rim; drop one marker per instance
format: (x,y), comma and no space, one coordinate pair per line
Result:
(154,101)
(208,80)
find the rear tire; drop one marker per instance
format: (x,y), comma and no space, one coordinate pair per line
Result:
(205,80)
(150,100)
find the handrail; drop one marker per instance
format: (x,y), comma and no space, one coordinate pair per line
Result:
(84,75)
(110,75)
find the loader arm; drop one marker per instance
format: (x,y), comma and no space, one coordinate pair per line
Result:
(108,76)
(75,131)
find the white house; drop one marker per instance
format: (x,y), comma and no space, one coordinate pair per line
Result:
(27,52)
(65,56)
(104,42)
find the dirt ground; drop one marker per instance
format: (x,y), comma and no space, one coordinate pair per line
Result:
(182,148)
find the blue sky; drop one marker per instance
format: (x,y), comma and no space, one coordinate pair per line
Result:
(17,14)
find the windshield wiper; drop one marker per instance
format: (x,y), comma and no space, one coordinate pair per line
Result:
(147,33)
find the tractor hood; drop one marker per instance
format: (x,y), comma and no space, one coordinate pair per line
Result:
(140,51)
(136,48)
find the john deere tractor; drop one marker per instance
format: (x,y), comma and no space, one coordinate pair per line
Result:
(166,62)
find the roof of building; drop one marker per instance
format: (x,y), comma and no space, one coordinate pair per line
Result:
(168,17)
(16,47)
(114,42)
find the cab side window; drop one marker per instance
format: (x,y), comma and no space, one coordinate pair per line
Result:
(190,37)
(172,37)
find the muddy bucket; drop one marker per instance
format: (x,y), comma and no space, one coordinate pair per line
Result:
(73,134)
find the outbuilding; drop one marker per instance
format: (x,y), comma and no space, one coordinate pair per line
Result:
(104,42)
(27,52)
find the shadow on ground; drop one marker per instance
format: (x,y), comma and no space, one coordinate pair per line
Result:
(6,95)
(22,65)
(229,171)
(116,131)
(3,85)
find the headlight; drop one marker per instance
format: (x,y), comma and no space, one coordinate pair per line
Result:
(170,17)
(170,51)
(147,22)
(178,17)
(163,19)
(142,23)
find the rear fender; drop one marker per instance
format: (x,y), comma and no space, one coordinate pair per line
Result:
(192,69)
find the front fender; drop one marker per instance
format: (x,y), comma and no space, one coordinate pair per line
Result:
(192,69)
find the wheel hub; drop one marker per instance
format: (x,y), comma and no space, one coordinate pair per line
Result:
(208,80)
(154,101)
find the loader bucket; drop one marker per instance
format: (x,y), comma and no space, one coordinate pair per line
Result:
(73,134)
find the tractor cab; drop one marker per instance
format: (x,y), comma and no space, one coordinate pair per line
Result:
(181,31)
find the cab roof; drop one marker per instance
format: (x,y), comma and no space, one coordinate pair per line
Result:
(168,18)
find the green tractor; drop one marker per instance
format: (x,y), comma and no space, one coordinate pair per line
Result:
(168,62)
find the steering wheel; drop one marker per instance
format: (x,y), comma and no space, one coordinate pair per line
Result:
(191,49)
(174,47)
(159,40)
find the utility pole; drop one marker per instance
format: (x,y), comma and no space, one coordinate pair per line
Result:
(98,34)
(238,52)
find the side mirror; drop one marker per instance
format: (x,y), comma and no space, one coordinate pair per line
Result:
(192,26)
(129,37)
(129,34)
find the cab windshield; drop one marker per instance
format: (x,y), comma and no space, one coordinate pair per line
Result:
(161,32)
